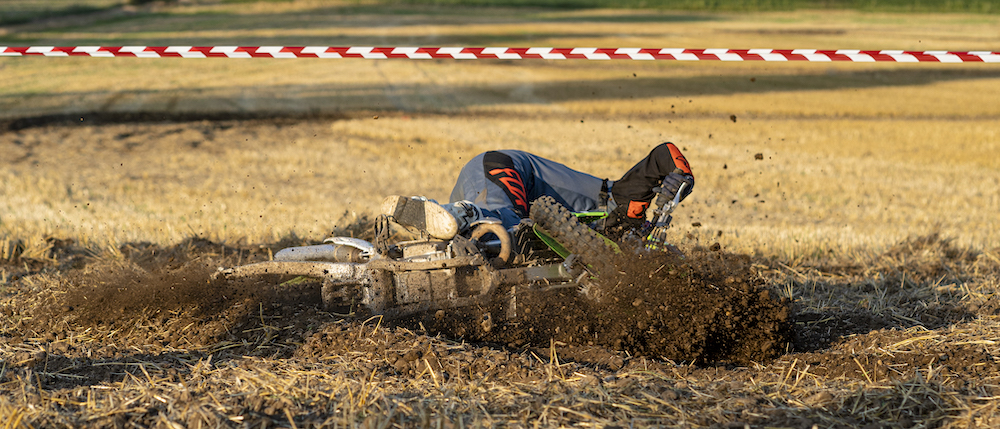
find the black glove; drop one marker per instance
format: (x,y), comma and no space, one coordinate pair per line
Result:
(672,182)
(619,222)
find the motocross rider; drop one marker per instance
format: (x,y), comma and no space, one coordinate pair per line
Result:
(502,184)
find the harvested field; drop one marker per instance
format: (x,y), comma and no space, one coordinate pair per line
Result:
(842,255)
(148,339)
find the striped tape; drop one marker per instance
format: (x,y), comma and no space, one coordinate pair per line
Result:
(463,53)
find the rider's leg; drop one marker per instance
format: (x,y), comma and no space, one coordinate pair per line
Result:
(496,185)
(472,198)
(504,183)
(634,191)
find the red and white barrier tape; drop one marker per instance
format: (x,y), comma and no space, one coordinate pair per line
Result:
(462,53)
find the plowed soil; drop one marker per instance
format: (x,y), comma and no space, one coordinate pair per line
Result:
(708,306)
(159,310)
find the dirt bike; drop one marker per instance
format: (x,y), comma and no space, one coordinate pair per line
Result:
(488,267)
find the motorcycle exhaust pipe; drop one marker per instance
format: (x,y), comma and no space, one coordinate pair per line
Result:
(321,252)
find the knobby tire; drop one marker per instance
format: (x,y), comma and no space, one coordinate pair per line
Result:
(579,239)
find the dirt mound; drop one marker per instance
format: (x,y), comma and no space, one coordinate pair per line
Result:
(712,302)
(707,306)
(157,306)
(168,297)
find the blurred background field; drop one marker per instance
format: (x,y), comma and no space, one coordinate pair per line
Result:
(851,156)
(27,10)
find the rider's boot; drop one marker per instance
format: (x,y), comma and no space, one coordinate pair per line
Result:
(437,220)
(466,213)
(422,214)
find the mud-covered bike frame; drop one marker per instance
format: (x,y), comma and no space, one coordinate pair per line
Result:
(428,275)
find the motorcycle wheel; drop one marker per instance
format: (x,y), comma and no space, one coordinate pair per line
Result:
(590,248)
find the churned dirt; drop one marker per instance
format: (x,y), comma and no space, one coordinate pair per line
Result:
(708,306)
(682,330)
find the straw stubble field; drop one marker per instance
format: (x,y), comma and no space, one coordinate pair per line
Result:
(865,194)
